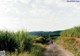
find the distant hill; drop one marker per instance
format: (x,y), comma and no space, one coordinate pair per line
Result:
(41,33)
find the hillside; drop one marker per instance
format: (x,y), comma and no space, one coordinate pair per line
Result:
(42,33)
(70,40)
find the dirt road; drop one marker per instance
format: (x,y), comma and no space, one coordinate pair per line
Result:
(56,50)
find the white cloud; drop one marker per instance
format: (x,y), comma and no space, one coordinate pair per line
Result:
(48,2)
(25,1)
(38,14)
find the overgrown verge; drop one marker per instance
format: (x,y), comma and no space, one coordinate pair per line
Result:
(19,44)
(70,39)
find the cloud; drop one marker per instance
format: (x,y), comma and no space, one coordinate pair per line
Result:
(25,1)
(36,8)
(39,14)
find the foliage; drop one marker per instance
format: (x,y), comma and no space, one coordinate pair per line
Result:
(45,37)
(7,41)
(73,32)
(19,41)
(37,50)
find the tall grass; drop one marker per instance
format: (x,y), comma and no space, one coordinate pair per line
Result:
(70,39)
(8,41)
(73,32)
(37,50)
(19,41)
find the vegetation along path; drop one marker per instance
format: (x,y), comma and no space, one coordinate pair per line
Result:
(56,50)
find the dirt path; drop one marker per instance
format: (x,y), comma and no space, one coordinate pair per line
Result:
(56,50)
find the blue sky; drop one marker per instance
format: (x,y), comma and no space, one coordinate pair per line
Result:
(39,15)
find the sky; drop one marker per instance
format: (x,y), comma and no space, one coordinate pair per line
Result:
(38,15)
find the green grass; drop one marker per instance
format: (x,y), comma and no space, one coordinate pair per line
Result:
(73,32)
(36,50)
(19,44)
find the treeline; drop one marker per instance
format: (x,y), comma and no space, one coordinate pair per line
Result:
(46,36)
(45,33)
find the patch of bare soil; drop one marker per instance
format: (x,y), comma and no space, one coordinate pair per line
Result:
(56,50)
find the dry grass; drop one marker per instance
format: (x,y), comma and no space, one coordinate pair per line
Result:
(72,44)
(17,54)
